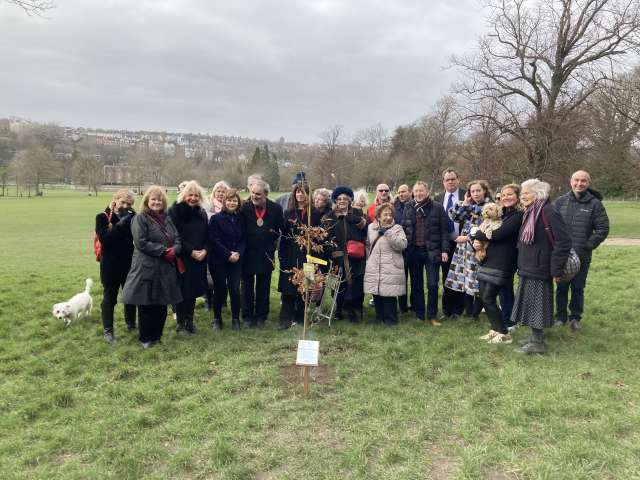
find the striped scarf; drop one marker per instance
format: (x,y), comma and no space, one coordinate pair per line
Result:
(529,219)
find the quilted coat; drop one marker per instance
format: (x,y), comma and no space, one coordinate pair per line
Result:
(384,273)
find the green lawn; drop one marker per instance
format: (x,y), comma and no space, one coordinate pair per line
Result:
(406,403)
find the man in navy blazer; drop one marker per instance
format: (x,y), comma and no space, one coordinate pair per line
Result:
(452,301)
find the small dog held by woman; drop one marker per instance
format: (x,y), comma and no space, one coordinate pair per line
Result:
(491,220)
(78,305)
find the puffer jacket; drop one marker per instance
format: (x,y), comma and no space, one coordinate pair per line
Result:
(384,273)
(586,220)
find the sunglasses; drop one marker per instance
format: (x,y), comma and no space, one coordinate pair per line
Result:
(383,191)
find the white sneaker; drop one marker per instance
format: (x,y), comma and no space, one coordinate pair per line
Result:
(501,338)
(489,336)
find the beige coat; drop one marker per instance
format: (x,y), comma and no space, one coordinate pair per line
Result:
(384,274)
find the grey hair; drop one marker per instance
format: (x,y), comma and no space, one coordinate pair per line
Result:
(324,192)
(360,195)
(251,179)
(221,184)
(258,182)
(540,188)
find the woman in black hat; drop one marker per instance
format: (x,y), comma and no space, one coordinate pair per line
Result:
(347,230)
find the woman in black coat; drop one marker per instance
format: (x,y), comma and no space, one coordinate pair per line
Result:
(190,218)
(539,262)
(227,246)
(347,224)
(152,282)
(113,229)
(496,271)
(291,255)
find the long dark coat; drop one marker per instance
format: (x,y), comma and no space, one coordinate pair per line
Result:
(289,253)
(539,260)
(353,226)
(151,280)
(261,241)
(192,227)
(226,234)
(117,246)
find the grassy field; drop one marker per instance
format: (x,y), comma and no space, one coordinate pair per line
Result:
(407,403)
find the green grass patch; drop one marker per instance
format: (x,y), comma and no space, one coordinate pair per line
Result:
(403,403)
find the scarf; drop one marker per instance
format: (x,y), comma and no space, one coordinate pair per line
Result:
(529,219)
(160,219)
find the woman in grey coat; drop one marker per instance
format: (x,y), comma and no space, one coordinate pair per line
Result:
(384,273)
(152,283)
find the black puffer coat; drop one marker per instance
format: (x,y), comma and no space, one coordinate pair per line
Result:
(192,226)
(117,246)
(586,220)
(436,227)
(539,260)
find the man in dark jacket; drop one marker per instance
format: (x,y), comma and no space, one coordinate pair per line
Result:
(452,301)
(426,227)
(263,220)
(403,197)
(588,224)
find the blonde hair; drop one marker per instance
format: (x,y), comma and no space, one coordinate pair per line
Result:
(191,187)
(154,190)
(123,193)
(422,184)
(360,195)
(382,207)
(218,185)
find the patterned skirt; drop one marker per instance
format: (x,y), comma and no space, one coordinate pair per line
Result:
(533,305)
(463,271)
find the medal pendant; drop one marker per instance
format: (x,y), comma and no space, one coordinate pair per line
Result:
(260,222)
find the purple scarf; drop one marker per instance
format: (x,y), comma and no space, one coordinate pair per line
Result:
(529,219)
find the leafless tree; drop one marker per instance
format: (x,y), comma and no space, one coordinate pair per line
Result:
(371,154)
(34,166)
(33,7)
(332,167)
(88,170)
(539,63)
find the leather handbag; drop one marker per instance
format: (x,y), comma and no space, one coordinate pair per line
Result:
(492,276)
(355,249)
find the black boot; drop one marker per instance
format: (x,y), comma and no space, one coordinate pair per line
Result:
(180,326)
(109,337)
(217,324)
(190,326)
(235,324)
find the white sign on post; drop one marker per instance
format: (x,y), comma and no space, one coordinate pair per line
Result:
(308,353)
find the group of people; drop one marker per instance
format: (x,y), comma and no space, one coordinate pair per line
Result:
(165,255)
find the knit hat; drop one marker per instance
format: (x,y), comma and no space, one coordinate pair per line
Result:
(340,191)
(299,178)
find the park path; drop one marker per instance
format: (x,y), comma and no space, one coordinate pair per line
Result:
(622,242)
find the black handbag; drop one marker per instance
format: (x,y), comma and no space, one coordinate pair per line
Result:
(492,276)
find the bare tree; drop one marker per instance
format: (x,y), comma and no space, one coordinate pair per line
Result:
(371,155)
(540,61)
(33,7)
(35,165)
(331,166)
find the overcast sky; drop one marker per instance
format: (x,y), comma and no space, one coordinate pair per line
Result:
(254,68)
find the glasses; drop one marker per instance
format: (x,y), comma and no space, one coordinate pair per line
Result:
(383,191)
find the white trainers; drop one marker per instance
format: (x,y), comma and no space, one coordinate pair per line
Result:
(489,336)
(501,338)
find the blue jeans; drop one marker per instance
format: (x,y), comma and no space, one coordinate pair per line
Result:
(418,263)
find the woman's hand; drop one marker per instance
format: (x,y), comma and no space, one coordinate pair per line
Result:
(445,257)
(198,255)
(461,239)
(234,257)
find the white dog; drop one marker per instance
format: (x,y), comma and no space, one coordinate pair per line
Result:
(79,304)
